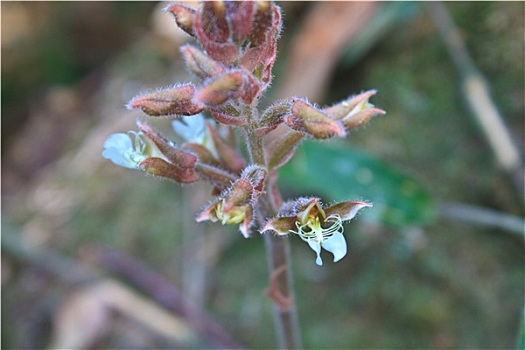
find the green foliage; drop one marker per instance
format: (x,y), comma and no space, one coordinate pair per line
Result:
(398,199)
(521,338)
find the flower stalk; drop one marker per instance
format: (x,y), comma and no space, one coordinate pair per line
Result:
(278,256)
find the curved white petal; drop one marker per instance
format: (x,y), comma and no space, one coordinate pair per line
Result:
(336,245)
(119,141)
(316,247)
(119,148)
(191,128)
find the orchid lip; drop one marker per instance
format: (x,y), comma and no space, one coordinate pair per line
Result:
(316,231)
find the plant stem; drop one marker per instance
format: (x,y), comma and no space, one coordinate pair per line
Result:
(285,318)
(278,256)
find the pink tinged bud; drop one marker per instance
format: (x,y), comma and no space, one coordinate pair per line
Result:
(259,58)
(233,206)
(160,167)
(256,175)
(262,22)
(273,117)
(213,20)
(171,101)
(250,89)
(213,36)
(281,150)
(240,194)
(270,53)
(200,64)
(184,16)
(347,210)
(360,118)
(306,118)
(219,90)
(228,156)
(241,15)
(179,158)
(355,111)
(227,119)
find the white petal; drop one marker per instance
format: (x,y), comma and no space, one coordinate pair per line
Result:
(118,148)
(119,141)
(336,245)
(316,247)
(192,128)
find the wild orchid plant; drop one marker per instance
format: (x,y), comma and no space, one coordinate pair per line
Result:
(235,69)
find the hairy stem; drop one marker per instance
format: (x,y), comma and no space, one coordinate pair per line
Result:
(278,255)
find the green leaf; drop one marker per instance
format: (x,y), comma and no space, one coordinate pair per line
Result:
(521,336)
(337,173)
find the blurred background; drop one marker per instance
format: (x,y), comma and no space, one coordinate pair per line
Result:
(96,256)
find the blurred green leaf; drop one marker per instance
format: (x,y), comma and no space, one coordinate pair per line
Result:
(521,337)
(338,173)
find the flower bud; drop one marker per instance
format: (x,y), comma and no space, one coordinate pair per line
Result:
(273,116)
(257,177)
(200,64)
(176,156)
(354,111)
(262,22)
(309,119)
(219,90)
(235,205)
(213,20)
(184,16)
(231,207)
(170,101)
(268,51)
(226,118)
(160,167)
(212,31)
(241,15)
(251,88)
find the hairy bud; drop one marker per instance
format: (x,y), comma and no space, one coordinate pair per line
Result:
(219,90)
(170,101)
(354,111)
(160,167)
(177,156)
(200,64)
(311,120)
(184,16)
(235,205)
